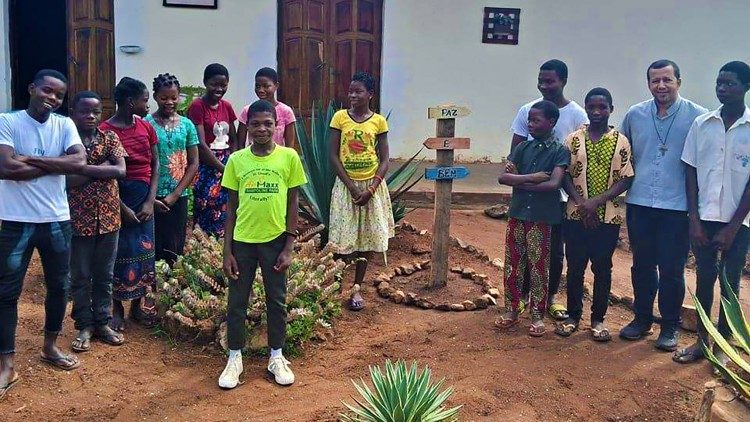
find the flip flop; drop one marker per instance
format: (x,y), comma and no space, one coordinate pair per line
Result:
(4,389)
(113,338)
(356,304)
(85,344)
(566,328)
(558,312)
(602,335)
(60,362)
(537,330)
(687,355)
(504,322)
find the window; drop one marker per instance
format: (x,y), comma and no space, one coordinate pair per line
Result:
(500,25)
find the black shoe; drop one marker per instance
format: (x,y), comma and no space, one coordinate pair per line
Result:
(667,340)
(636,330)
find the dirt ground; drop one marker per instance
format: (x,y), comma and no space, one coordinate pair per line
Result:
(496,376)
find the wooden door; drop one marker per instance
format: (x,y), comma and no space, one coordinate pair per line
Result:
(91,49)
(322,43)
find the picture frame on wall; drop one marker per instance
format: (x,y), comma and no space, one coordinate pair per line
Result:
(196,4)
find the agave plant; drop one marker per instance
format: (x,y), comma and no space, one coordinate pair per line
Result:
(401,394)
(321,175)
(741,332)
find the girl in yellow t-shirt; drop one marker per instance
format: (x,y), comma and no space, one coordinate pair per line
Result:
(361,217)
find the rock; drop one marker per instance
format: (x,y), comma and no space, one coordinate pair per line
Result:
(258,339)
(398,271)
(457,307)
(491,299)
(498,211)
(426,264)
(380,278)
(443,307)
(480,278)
(425,304)
(627,301)
(468,272)
(221,336)
(614,297)
(481,302)
(456,270)
(483,255)
(689,318)
(398,296)
(384,285)
(423,232)
(461,243)
(418,249)
(407,269)
(494,293)
(497,262)
(469,305)
(410,298)
(471,249)
(417,266)
(387,292)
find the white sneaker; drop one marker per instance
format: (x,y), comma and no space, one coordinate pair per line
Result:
(231,375)
(282,374)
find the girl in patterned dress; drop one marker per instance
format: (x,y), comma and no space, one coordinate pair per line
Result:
(361,220)
(214,119)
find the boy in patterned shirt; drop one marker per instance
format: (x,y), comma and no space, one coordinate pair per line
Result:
(94,200)
(600,171)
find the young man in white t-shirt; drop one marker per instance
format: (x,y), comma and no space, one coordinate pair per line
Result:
(37,148)
(553,76)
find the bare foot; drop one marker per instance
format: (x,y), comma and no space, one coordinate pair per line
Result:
(118,316)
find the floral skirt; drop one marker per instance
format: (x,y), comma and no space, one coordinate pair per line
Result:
(361,229)
(210,200)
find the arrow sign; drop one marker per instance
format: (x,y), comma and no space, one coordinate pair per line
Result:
(447,143)
(447,112)
(445,173)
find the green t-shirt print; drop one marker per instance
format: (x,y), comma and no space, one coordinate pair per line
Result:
(262,184)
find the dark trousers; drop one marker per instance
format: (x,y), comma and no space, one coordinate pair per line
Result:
(170,229)
(249,256)
(660,243)
(708,267)
(92,261)
(581,246)
(17,243)
(556,255)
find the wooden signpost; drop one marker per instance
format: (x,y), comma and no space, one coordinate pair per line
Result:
(444,145)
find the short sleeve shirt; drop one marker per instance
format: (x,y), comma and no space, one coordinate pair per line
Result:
(172,147)
(595,167)
(215,121)
(572,116)
(722,162)
(534,156)
(358,148)
(95,206)
(262,184)
(137,141)
(40,200)
(284,117)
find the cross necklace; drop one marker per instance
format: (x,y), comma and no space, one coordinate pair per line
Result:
(663,148)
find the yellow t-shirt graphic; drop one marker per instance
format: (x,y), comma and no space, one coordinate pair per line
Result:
(262,184)
(358,151)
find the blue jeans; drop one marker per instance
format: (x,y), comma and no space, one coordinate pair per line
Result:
(708,267)
(17,243)
(660,243)
(92,263)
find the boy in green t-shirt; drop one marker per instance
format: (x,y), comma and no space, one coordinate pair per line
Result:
(262,182)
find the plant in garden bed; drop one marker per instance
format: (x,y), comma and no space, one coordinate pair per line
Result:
(321,175)
(192,294)
(741,333)
(188,93)
(401,394)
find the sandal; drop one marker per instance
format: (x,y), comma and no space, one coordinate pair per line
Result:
(566,328)
(600,334)
(108,336)
(558,312)
(64,362)
(688,354)
(537,329)
(356,302)
(4,389)
(505,322)
(82,342)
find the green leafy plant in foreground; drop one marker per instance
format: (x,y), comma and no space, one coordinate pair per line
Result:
(741,332)
(401,394)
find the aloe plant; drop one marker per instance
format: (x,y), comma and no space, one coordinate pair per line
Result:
(321,176)
(741,332)
(401,394)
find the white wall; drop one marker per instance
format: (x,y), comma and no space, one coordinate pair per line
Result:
(432,53)
(240,34)
(5,85)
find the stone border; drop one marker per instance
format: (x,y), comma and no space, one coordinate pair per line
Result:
(382,281)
